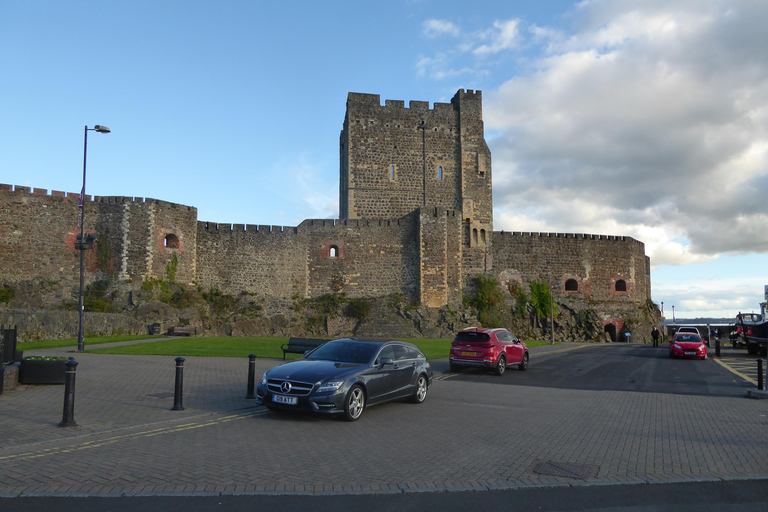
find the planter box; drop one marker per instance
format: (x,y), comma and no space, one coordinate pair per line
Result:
(36,371)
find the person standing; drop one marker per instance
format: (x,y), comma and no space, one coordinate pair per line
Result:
(655,335)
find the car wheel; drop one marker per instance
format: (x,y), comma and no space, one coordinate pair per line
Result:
(523,364)
(420,393)
(501,365)
(354,403)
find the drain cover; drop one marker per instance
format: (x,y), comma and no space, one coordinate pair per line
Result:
(565,469)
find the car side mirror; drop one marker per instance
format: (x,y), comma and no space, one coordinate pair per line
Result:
(385,361)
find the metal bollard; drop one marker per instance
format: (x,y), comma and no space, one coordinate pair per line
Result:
(177,406)
(760,385)
(717,346)
(68,418)
(251,375)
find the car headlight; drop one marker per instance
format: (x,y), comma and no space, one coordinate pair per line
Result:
(329,386)
(264,379)
(678,347)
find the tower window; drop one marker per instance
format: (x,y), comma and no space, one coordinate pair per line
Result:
(621,285)
(171,241)
(571,285)
(333,252)
(392,173)
(440,173)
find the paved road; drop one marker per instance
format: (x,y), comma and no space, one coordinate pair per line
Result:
(550,426)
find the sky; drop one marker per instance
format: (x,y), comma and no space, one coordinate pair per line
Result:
(641,118)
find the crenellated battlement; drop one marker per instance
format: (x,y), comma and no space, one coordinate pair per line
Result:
(68,196)
(580,236)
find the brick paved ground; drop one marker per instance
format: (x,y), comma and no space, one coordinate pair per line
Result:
(465,436)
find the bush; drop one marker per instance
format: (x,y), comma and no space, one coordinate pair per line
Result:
(7,293)
(358,308)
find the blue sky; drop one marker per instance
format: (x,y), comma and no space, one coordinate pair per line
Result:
(644,118)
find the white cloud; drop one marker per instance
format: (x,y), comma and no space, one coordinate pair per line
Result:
(502,36)
(641,117)
(437,28)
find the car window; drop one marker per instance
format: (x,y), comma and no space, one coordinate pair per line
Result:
(387,351)
(345,352)
(414,353)
(503,336)
(472,336)
(401,352)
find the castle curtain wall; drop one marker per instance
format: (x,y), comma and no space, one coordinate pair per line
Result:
(263,260)
(595,262)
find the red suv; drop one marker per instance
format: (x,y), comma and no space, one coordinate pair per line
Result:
(490,348)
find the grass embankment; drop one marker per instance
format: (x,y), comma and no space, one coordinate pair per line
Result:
(221,346)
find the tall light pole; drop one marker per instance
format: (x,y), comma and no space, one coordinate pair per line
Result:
(83,243)
(673,315)
(423,128)
(552,311)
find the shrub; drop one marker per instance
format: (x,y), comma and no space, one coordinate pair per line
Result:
(358,308)
(7,293)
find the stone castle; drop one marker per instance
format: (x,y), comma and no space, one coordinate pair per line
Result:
(416,219)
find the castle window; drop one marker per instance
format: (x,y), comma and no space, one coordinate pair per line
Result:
(571,285)
(392,173)
(474,235)
(482,236)
(171,241)
(621,285)
(440,173)
(333,252)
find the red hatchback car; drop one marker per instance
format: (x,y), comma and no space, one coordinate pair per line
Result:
(489,348)
(687,345)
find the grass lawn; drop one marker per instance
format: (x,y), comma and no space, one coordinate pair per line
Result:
(243,346)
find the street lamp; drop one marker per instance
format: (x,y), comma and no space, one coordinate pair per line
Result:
(83,243)
(423,128)
(552,311)
(673,315)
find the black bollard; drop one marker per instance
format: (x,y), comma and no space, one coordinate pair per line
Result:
(68,418)
(251,375)
(717,346)
(760,386)
(177,406)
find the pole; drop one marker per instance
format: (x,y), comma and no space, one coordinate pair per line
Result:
(251,375)
(68,418)
(423,128)
(80,298)
(552,317)
(179,389)
(760,381)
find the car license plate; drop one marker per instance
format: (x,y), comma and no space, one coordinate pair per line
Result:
(470,354)
(280,399)
(689,352)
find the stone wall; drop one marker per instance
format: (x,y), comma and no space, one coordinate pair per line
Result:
(34,325)
(594,264)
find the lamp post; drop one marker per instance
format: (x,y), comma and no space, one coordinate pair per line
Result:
(83,243)
(423,128)
(673,315)
(552,312)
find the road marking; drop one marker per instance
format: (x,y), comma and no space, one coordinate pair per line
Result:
(86,445)
(733,370)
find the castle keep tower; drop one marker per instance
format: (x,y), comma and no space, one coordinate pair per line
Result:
(395,160)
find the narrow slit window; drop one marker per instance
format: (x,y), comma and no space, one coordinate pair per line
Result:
(392,173)
(333,252)
(440,173)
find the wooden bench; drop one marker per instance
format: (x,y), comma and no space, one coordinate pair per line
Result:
(183,331)
(301,345)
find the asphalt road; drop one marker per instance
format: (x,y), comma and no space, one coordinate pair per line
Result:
(620,367)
